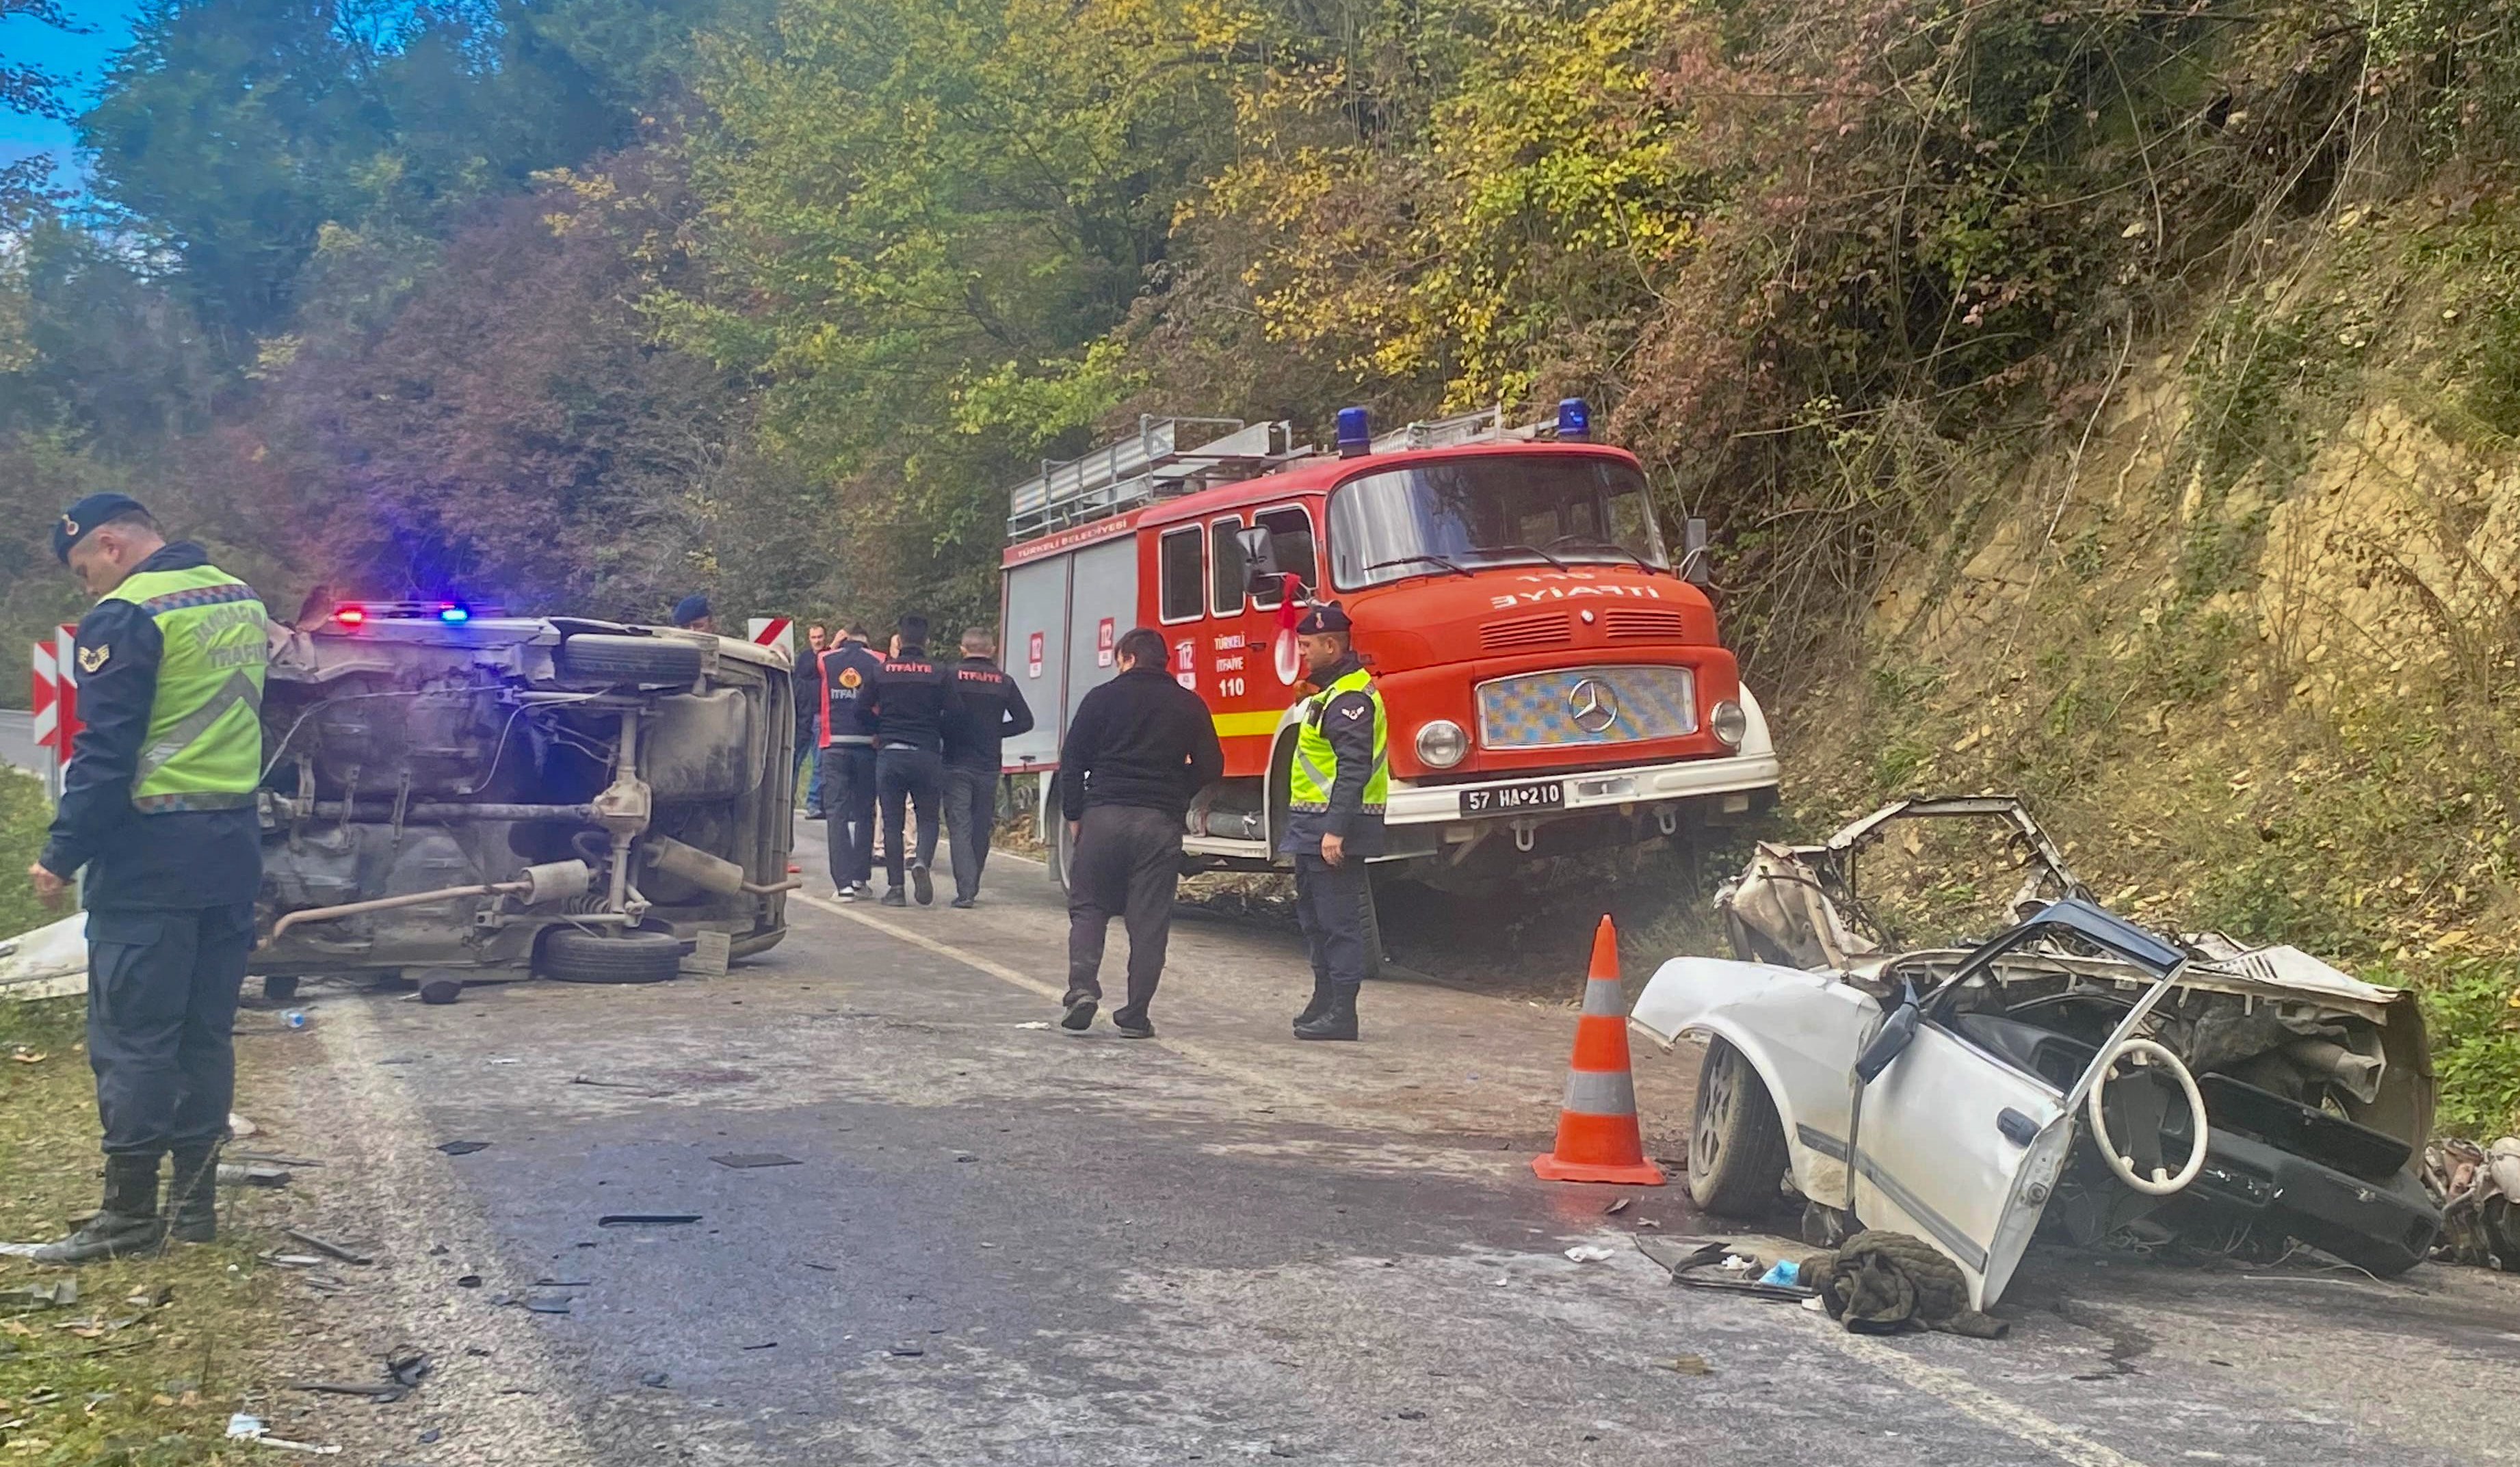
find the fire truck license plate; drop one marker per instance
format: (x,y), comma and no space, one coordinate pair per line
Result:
(1509,799)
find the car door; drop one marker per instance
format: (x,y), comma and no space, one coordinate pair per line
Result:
(1960,1149)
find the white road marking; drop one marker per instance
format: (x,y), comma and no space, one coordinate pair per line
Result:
(1980,1404)
(1198,1054)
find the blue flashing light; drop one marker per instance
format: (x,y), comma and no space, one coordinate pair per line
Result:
(1355,432)
(453,613)
(1574,419)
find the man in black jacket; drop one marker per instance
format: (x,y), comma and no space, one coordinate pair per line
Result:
(990,710)
(1139,748)
(847,738)
(909,702)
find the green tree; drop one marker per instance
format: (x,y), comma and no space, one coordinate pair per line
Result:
(920,217)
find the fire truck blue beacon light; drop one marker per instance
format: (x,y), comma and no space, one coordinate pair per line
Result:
(1574,419)
(1355,434)
(453,612)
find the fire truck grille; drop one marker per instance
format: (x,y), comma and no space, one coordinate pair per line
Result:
(1524,634)
(1587,705)
(1632,624)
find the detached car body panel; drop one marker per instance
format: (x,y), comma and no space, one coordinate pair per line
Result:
(536,775)
(1972,1130)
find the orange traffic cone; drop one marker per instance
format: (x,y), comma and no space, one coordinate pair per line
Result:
(1596,1127)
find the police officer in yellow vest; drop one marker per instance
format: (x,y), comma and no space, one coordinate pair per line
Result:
(1334,803)
(157,804)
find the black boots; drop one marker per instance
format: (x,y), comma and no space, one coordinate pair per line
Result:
(1321,1004)
(194,1191)
(1337,1021)
(127,1222)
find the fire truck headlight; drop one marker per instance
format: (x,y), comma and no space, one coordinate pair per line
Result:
(1730,723)
(1441,744)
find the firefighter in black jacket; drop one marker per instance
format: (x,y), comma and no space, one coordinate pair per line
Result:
(990,710)
(1337,788)
(908,704)
(847,736)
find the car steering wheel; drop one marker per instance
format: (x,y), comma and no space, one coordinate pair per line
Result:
(2144,1051)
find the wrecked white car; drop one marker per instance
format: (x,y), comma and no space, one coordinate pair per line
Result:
(2074,1074)
(464,795)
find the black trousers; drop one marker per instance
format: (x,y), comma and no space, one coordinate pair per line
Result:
(1128,862)
(161,1003)
(915,778)
(1330,902)
(848,811)
(970,817)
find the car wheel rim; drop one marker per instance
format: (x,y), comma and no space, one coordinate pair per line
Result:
(1713,1114)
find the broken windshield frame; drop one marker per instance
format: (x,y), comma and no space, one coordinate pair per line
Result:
(1491,510)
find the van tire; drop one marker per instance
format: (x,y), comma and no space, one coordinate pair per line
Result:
(571,954)
(1737,1143)
(603,657)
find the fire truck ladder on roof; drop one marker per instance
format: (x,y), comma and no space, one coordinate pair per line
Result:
(1150,464)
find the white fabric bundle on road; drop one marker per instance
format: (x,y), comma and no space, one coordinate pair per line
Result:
(47,962)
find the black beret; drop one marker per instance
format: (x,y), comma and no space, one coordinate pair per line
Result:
(85,516)
(1329,616)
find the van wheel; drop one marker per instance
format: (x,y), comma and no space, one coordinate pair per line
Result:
(1737,1144)
(571,954)
(602,657)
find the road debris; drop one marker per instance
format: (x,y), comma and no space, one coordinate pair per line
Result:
(1588,1253)
(245,1427)
(1616,1208)
(462,1148)
(1688,1365)
(746,1160)
(1700,1264)
(61,1293)
(325,1246)
(654,1380)
(2478,1188)
(646,1220)
(273,1158)
(633,1086)
(1883,1282)
(251,1175)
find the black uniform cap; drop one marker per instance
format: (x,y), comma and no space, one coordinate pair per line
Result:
(1329,616)
(85,516)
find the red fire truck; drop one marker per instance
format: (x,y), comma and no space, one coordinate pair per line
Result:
(1553,683)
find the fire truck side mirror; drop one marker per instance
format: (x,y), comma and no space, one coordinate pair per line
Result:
(1693,554)
(1259,558)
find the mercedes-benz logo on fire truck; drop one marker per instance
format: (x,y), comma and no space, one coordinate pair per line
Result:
(1595,707)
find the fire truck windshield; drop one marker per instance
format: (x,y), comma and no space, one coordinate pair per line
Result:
(1507,508)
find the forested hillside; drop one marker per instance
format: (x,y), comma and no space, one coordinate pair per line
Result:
(2112,398)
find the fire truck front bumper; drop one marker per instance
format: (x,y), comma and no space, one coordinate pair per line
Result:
(1731,785)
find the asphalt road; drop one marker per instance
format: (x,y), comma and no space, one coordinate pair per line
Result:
(1001,1243)
(17,739)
